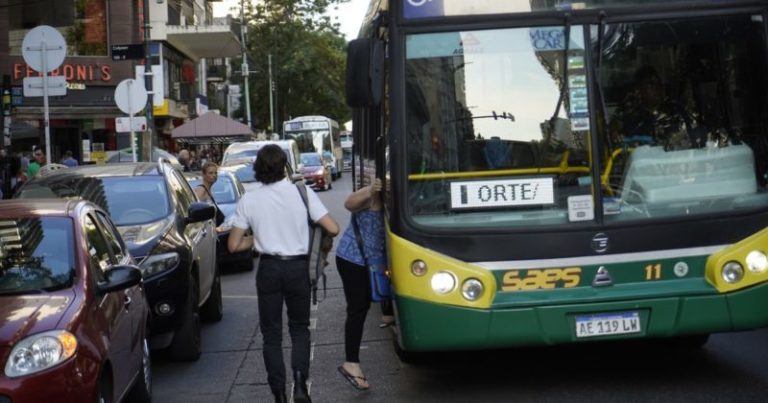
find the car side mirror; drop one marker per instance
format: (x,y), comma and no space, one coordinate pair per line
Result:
(297,178)
(199,211)
(119,278)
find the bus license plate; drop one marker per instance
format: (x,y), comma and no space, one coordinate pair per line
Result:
(607,324)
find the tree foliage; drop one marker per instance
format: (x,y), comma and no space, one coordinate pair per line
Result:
(308,61)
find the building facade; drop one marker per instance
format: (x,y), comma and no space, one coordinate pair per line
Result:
(182,35)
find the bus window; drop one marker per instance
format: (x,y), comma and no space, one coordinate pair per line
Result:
(684,132)
(493,111)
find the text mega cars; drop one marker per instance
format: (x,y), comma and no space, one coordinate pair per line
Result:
(169,233)
(73,315)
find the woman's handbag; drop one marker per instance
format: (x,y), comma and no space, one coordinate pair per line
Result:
(320,243)
(381,289)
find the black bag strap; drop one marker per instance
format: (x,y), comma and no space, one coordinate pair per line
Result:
(305,199)
(359,238)
(209,195)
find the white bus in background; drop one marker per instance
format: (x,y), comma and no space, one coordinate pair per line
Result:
(346,150)
(318,134)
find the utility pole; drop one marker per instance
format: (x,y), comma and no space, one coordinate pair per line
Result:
(151,141)
(271,89)
(243,27)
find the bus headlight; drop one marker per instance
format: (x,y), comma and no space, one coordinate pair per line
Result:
(443,282)
(472,289)
(757,262)
(732,272)
(418,268)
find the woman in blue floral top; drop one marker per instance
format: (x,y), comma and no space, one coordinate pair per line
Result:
(365,205)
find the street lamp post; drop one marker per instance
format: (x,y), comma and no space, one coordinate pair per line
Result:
(271,90)
(243,27)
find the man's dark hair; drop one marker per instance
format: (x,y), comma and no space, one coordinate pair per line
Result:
(269,166)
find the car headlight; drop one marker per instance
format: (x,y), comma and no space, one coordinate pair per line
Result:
(320,171)
(155,264)
(40,352)
(443,282)
(140,234)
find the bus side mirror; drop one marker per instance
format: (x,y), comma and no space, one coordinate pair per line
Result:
(365,72)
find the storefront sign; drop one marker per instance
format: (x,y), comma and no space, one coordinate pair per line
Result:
(70,71)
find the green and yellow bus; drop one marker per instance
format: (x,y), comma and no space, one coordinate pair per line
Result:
(567,171)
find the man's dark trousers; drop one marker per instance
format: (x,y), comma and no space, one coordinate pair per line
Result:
(278,281)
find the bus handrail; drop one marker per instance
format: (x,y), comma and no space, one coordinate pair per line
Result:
(497,172)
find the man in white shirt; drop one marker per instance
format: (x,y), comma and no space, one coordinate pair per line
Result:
(276,214)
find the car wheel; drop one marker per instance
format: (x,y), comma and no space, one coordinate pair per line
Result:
(141,392)
(186,344)
(213,309)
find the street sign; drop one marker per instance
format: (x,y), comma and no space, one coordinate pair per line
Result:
(33,86)
(127,52)
(130,124)
(44,48)
(131,96)
(157,82)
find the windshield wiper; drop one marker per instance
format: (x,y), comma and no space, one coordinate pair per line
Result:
(564,83)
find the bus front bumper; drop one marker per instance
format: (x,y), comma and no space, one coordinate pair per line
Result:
(426,326)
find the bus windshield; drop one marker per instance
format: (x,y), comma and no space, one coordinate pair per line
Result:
(505,127)
(311,141)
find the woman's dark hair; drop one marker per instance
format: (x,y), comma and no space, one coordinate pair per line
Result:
(269,166)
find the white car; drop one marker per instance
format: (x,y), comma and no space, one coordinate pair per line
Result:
(246,152)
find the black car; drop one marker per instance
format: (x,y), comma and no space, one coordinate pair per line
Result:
(227,191)
(170,234)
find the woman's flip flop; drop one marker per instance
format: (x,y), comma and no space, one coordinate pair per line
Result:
(353,380)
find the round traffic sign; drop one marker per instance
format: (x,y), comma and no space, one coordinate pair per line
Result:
(44,39)
(131,96)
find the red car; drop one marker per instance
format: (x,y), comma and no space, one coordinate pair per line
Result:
(73,315)
(316,172)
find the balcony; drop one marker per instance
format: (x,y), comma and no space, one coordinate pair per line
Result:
(204,41)
(186,28)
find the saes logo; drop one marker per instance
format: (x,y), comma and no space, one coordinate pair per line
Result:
(538,279)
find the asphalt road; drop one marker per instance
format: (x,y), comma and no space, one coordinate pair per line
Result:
(731,367)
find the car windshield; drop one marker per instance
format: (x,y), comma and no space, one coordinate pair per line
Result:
(245,174)
(311,159)
(122,193)
(36,254)
(247,154)
(223,189)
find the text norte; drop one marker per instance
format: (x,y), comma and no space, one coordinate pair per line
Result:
(70,71)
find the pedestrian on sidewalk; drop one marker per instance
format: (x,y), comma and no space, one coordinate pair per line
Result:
(276,214)
(40,159)
(366,208)
(69,160)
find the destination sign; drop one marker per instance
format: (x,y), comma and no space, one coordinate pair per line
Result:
(502,193)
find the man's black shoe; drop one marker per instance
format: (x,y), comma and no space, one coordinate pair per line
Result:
(300,393)
(280,396)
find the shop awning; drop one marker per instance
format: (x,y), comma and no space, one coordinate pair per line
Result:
(211,128)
